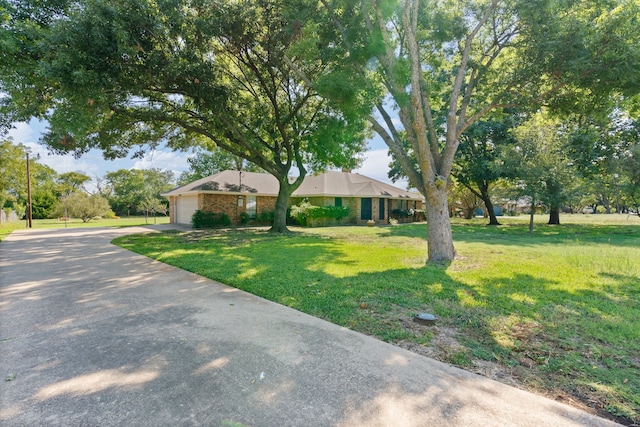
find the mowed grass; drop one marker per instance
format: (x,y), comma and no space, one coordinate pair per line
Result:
(556,312)
(8,228)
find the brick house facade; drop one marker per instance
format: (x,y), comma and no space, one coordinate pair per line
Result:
(246,194)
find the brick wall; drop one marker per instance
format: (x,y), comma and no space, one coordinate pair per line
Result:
(228,204)
(266,203)
(221,203)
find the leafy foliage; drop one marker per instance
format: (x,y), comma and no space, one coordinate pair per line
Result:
(205,219)
(13,172)
(442,66)
(83,206)
(305,212)
(127,189)
(45,188)
(71,181)
(123,76)
(540,167)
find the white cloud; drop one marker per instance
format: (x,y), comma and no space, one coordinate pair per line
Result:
(167,160)
(22,133)
(62,163)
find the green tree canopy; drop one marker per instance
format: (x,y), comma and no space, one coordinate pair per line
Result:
(203,163)
(13,181)
(70,182)
(13,172)
(441,66)
(83,206)
(122,76)
(540,166)
(126,189)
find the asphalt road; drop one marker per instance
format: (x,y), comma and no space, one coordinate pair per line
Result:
(94,335)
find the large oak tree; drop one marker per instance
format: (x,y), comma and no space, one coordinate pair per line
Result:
(124,75)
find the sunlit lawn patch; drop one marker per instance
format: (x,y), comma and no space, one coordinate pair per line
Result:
(557,311)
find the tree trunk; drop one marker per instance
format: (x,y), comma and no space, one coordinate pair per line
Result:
(439,236)
(533,212)
(554,216)
(282,203)
(487,203)
(468,212)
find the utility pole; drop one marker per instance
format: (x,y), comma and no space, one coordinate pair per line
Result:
(29,212)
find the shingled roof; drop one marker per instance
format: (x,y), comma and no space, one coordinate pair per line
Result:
(345,184)
(262,184)
(332,184)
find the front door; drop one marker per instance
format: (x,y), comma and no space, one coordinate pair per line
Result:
(365,208)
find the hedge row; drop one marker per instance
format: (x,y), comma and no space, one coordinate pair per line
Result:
(306,211)
(201,219)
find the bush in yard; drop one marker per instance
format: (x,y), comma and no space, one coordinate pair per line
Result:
(202,219)
(83,206)
(265,217)
(244,218)
(305,213)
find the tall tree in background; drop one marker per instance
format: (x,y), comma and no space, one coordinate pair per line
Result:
(600,147)
(13,181)
(631,169)
(124,75)
(455,62)
(82,205)
(44,191)
(71,182)
(13,172)
(479,163)
(540,166)
(126,189)
(203,163)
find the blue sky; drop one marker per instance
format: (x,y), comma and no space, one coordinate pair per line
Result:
(376,164)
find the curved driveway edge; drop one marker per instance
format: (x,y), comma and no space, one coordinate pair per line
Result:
(94,335)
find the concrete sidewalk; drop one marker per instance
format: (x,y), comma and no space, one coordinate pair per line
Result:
(94,335)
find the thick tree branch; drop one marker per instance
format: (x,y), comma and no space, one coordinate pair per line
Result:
(451,145)
(400,154)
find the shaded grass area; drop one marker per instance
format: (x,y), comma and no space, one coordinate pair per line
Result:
(557,312)
(8,228)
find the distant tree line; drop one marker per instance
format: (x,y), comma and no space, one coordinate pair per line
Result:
(122,192)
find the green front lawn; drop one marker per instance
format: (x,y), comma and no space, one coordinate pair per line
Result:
(556,312)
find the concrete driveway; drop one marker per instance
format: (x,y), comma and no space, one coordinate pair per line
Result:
(94,335)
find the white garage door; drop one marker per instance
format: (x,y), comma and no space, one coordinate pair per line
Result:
(185,207)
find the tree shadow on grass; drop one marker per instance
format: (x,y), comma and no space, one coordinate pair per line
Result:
(518,235)
(166,347)
(541,333)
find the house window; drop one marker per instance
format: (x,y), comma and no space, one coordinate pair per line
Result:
(365,208)
(381,209)
(338,201)
(252,206)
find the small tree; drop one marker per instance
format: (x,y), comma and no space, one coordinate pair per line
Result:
(540,168)
(151,205)
(81,205)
